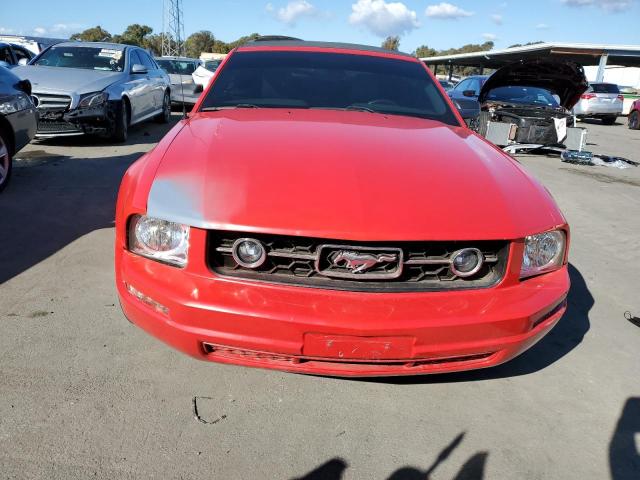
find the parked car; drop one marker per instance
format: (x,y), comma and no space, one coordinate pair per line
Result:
(180,71)
(324,210)
(34,45)
(204,73)
(96,88)
(465,97)
(534,95)
(18,120)
(446,84)
(601,100)
(629,95)
(12,55)
(634,116)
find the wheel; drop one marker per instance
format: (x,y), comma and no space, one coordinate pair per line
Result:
(6,160)
(634,120)
(609,120)
(165,115)
(121,129)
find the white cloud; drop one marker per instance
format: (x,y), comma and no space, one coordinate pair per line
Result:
(447,11)
(40,30)
(542,26)
(382,18)
(6,31)
(490,37)
(293,11)
(66,28)
(608,5)
(497,18)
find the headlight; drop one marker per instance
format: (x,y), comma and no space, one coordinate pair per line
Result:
(93,100)
(15,104)
(159,240)
(543,253)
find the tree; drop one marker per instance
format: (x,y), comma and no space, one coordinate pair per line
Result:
(424,51)
(95,34)
(196,43)
(134,34)
(391,43)
(153,43)
(524,44)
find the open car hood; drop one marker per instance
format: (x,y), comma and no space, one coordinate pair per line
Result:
(565,79)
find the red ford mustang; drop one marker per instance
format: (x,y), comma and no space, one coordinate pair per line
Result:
(325,210)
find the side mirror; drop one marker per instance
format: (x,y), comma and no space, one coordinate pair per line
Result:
(138,69)
(25,86)
(469,93)
(198,89)
(23,61)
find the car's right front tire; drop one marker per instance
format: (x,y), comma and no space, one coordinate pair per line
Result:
(6,159)
(120,131)
(634,120)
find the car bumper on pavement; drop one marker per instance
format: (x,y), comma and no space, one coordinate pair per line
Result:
(96,120)
(338,333)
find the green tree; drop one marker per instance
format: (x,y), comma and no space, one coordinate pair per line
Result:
(391,43)
(153,43)
(134,34)
(424,51)
(198,42)
(95,34)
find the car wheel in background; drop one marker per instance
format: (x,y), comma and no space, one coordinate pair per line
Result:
(634,120)
(609,120)
(6,160)
(165,115)
(121,128)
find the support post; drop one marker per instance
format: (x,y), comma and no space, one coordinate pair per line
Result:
(602,66)
(450,71)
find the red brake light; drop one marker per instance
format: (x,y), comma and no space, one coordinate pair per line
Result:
(621,97)
(588,96)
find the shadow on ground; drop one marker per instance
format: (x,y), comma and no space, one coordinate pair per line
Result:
(472,469)
(624,456)
(54,199)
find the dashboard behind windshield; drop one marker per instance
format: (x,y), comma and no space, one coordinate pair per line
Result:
(293,79)
(88,58)
(523,95)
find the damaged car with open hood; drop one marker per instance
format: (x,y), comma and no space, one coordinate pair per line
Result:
(530,102)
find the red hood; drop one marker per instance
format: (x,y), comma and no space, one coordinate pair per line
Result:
(345,175)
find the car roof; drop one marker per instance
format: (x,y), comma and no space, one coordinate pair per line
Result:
(110,46)
(294,44)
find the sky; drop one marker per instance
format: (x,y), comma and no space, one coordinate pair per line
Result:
(439,25)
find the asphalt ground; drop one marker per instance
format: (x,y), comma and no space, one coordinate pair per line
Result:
(85,394)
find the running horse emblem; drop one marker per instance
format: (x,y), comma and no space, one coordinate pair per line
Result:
(361,262)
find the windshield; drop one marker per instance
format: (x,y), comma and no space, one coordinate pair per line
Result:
(89,58)
(178,67)
(212,65)
(603,88)
(524,95)
(328,81)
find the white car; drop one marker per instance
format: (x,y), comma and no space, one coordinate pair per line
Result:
(205,72)
(601,100)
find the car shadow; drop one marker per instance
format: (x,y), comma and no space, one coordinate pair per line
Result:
(54,199)
(624,457)
(472,469)
(560,341)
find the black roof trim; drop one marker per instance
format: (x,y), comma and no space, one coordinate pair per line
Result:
(336,45)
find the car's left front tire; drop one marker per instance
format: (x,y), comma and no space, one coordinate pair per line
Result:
(165,115)
(634,120)
(6,159)
(610,120)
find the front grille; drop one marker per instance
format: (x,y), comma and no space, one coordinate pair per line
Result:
(305,261)
(46,101)
(54,126)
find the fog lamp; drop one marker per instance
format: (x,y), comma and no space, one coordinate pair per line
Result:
(466,262)
(249,253)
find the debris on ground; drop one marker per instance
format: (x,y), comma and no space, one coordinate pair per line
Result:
(588,158)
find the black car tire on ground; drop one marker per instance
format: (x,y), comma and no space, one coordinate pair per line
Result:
(165,115)
(634,120)
(6,159)
(610,120)
(121,129)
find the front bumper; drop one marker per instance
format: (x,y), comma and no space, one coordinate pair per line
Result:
(23,124)
(98,120)
(338,333)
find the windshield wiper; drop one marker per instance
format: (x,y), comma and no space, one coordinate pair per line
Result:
(360,108)
(228,107)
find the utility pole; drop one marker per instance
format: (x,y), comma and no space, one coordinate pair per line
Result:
(172,28)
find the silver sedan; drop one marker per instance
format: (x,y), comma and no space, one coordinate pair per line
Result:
(96,88)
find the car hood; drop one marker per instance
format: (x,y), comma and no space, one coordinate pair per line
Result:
(565,79)
(344,175)
(66,80)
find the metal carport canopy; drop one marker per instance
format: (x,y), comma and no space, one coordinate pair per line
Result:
(581,53)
